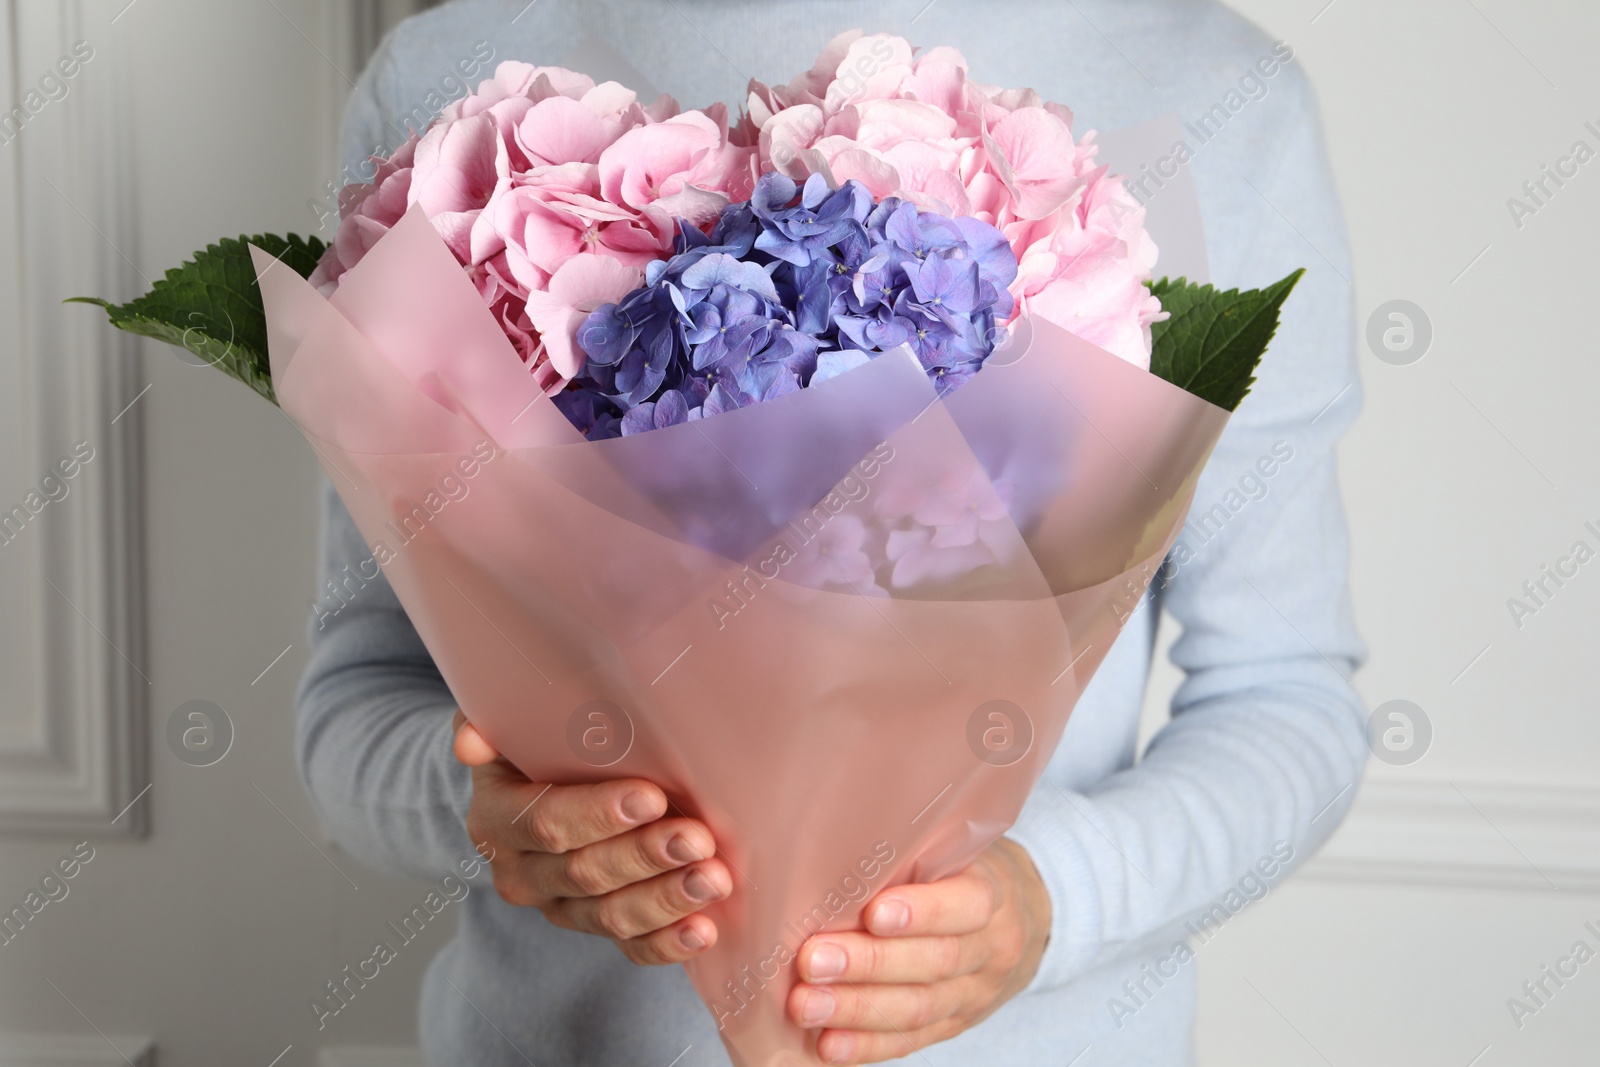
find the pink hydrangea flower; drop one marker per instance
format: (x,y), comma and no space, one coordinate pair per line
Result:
(540,165)
(537,167)
(956,526)
(837,556)
(918,127)
(366,213)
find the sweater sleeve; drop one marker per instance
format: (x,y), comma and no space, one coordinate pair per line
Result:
(373,713)
(1267,738)
(373,737)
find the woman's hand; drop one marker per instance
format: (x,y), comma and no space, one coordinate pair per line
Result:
(938,959)
(596,858)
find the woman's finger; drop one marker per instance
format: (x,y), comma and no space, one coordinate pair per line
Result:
(637,856)
(469,745)
(961,904)
(673,944)
(834,959)
(563,818)
(893,1008)
(647,906)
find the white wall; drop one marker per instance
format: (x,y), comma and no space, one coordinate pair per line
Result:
(211,934)
(1437,112)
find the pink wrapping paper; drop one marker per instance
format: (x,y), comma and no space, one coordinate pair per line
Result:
(845,628)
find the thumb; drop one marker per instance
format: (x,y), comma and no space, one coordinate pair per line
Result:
(469,745)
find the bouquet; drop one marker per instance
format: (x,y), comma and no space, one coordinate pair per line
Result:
(806,463)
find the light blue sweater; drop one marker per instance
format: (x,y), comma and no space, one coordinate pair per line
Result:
(1145,859)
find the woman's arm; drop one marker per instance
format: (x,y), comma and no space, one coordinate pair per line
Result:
(1267,740)
(374,719)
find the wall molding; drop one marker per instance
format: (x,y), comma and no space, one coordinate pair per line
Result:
(75,1050)
(1501,835)
(72,750)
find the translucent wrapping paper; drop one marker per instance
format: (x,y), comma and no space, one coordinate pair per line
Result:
(845,628)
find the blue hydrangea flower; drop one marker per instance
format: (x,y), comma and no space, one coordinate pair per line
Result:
(798,285)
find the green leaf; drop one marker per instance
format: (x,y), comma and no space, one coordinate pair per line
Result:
(211,305)
(1214,341)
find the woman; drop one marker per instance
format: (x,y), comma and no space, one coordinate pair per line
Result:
(1065,942)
